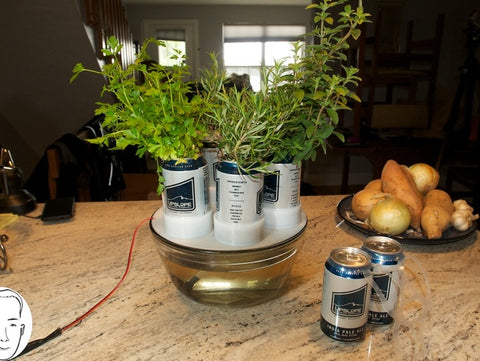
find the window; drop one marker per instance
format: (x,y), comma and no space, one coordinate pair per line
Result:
(175,40)
(178,34)
(247,48)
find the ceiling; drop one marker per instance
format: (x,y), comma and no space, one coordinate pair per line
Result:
(220,2)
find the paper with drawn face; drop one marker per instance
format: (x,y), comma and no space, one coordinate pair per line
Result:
(15,324)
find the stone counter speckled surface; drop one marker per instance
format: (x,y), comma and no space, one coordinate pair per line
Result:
(63,269)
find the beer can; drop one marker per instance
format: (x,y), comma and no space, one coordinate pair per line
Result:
(239,195)
(387,258)
(346,293)
(282,186)
(186,187)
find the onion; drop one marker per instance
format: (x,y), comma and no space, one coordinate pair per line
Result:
(425,176)
(389,216)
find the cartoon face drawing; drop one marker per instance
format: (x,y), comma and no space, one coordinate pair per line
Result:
(12,325)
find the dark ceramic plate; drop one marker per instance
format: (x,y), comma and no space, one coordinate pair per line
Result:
(410,236)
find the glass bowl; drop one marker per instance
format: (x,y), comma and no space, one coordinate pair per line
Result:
(216,274)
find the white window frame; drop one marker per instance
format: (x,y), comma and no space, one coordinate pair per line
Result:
(190,26)
(261,37)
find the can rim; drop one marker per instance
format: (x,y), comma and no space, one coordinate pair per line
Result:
(351,250)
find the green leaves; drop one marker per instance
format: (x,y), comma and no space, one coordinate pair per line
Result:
(157,115)
(321,79)
(251,126)
(297,108)
(160,115)
(291,117)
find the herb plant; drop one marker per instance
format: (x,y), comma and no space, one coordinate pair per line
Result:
(321,80)
(296,110)
(160,115)
(248,124)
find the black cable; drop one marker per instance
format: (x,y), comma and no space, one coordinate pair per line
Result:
(32,345)
(33,217)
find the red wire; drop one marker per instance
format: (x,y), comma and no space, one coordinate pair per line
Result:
(99,303)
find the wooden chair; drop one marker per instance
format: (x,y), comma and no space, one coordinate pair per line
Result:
(54,164)
(54,161)
(383,66)
(389,70)
(424,56)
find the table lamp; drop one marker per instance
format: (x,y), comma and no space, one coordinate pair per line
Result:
(13,199)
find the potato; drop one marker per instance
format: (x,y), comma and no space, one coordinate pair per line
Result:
(375,184)
(364,200)
(436,213)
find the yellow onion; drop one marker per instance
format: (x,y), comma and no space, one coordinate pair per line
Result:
(389,216)
(425,176)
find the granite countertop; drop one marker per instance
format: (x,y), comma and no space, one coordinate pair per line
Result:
(63,269)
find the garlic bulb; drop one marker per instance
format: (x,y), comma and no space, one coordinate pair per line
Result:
(462,204)
(462,217)
(461,220)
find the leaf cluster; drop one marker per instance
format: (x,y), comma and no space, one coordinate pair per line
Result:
(321,78)
(295,112)
(159,115)
(297,108)
(249,125)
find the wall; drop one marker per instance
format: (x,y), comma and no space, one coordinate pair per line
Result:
(424,13)
(41,42)
(212,17)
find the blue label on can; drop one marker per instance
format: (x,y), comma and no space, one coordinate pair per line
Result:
(379,318)
(383,250)
(346,294)
(239,196)
(384,283)
(342,333)
(349,304)
(232,168)
(180,196)
(380,312)
(271,186)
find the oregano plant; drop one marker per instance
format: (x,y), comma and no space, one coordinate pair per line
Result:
(321,79)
